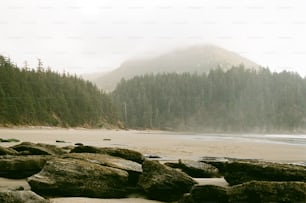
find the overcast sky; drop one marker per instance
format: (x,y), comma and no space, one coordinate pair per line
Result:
(97,35)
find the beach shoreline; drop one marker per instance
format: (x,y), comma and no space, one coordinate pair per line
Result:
(168,145)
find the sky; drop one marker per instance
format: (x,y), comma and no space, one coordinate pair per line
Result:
(88,36)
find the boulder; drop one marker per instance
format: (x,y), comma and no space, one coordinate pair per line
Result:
(164,183)
(206,193)
(38,149)
(7,151)
(253,192)
(9,140)
(72,177)
(196,169)
(85,149)
(124,153)
(21,166)
(239,171)
(263,191)
(119,152)
(134,169)
(7,196)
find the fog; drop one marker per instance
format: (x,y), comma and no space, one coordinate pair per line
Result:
(81,36)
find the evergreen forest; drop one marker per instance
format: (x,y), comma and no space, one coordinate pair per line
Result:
(44,97)
(236,100)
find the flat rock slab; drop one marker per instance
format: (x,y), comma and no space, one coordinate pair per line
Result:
(72,177)
(107,160)
(30,148)
(195,169)
(118,152)
(134,169)
(19,167)
(237,171)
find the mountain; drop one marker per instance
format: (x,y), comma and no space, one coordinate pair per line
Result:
(194,59)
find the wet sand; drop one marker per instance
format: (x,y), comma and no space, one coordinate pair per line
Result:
(168,145)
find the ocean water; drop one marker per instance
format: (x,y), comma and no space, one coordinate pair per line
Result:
(288,139)
(282,140)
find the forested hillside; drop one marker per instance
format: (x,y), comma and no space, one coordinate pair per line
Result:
(231,100)
(43,97)
(235,100)
(195,59)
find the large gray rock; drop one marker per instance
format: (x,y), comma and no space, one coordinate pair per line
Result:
(21,166)
(196,169)
(7,196)
(119,152)
(164,183)
(72,177)
(38,149)
(237,171)
(134,169)
(263,191)
(253,192)
(7,151)
(107,160)
(206,193)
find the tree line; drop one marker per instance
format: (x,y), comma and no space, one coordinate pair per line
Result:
(238,99)
(44,97)
(235,100)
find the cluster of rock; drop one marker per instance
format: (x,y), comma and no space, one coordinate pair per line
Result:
(86,171)
(253,191)
(252,181)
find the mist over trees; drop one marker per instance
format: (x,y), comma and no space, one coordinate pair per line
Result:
(238,99)
(234,100)
(197,58)
(43,97)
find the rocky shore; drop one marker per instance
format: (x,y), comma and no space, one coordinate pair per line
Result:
(107,172)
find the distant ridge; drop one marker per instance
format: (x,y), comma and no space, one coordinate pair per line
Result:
(193,59)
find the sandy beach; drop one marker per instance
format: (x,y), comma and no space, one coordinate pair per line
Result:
(167,145)
(170,145)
